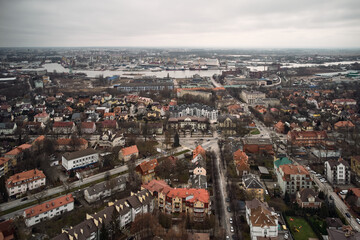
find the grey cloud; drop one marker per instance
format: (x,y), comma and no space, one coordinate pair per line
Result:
(216,23)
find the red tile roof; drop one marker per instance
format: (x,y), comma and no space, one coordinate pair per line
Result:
(63,124)
(68,141)
(191,194)
(87,125)
(145,167)
(157,186)
(48,206)
(129,150)
(25,176)
(199,150)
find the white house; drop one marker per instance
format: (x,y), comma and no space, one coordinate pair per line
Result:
(262,220)
(104,189)
(7,128)
(337,171)
(20,183)
(79,159)
(48,210)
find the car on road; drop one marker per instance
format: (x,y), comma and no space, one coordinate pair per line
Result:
(231,229)
(228,209)
(227,237)
(358,220)
(24,199)
(230,220)
(227,199)
(348,215)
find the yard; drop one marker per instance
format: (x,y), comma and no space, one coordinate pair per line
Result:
(300,228)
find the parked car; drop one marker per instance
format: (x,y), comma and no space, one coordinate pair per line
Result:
(231,229)
(231,221)
(348,215)
(358,220)
(228,209)
(343,192)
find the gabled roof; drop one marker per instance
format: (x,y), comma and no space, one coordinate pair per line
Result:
(252,182)
(147,166)
(157,186)
(63,124)
(88,125)
(129,150)
(199,150)
(47,206)
(25,176)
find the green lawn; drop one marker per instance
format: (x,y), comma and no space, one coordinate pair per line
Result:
(255,132)
(305,232)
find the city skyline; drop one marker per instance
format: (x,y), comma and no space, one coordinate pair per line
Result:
(209,24)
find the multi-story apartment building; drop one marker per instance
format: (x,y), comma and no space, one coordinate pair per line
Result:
(251,96)
(292,178)
(4,165)
(337,171)
(146,170)
(262,220)
(195,202)
(125,209)
(306,138)
(79,159)
(48,210)
(196,110)
(20,183)
(189,123)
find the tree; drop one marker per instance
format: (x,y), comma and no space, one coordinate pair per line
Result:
(115,224)
(104,234)
(3,190)
(176,140)
(134,180)
(167,139)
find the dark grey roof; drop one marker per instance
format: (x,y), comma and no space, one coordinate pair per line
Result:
(250,181)
(334,222)
(97,188)
(334,163)
(335,234)
(83,229)
(78,154)
(7,125)
(223,117)
(305,193)
(105,215)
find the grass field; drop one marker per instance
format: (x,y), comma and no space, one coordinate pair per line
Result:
(304,230)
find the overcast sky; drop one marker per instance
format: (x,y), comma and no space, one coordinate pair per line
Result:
(181,23)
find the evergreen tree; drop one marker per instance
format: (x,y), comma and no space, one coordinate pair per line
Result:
(176,140)
(104,235)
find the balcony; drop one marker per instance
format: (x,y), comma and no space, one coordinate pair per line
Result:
(176,209)
(199,210)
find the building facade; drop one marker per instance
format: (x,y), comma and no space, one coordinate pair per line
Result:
(20,183)
(48,210)
(293,178)
(337,172)
(79,159)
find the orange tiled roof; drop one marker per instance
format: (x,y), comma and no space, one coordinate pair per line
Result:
(148,165)
(68,141)
(157,186)
(63,124)
(41,115)
(109,114)
(201,195)
(14,152)
(39,139)
(294,169)
(87,125)
(23,176)
(279,124)
(4,160)
(24,146)
(47,206)
(199,150)
(344,124)
(356,191)
(240,155)
(129,150)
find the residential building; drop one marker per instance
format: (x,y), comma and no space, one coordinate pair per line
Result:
(79,159)
(251,97)
(344,125)
(293,178)
(63,127)
(334,223)
(253,187)
(337,172)
(345,233)
(257,145)
(306,138)
(104,189)
(241,162)
(48,210)
(125,209)
(279,127)
(196,110)
(199,150)
(71,144)
(344,102)
(20,183)
(88,127)
(7,230)
(150,86)
(7,128)
(147,170)
(195,202)
(308,198)
(110,140)
(4,165)
(262,220)
(129,152)
(42,117)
